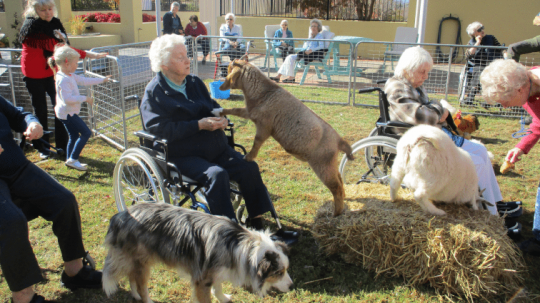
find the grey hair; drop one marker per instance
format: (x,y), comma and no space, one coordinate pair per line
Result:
(411,60)
(471,29)
(175,4)
(32,5)
(319,23)
(161,49)
(230,15)
(284,20)
(502,79)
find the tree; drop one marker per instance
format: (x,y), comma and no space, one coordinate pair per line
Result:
(364,9)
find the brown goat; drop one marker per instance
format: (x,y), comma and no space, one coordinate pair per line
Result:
(279,114)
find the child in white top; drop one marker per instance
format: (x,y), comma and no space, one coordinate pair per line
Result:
(68,102)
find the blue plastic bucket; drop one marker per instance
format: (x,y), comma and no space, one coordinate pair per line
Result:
(219,94)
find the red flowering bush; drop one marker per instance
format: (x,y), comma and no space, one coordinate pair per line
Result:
(148,18)
(101,17)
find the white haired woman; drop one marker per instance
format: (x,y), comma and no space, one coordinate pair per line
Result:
(171,21)
(282,39)
(178,107)
(311,51)
(409,103)
(511,84)
(40,33)
(479,57)
(231,34)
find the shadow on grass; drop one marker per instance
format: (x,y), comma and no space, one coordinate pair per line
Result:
(97,296)
(490,140)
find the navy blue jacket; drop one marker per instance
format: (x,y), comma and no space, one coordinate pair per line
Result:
(168,23)
(12,118)
(483,56)
(169,114)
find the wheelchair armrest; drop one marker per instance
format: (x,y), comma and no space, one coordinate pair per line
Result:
(398,124)
(148,136)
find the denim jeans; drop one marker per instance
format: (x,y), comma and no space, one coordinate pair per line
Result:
(536,222)
(79,134)
(515,50)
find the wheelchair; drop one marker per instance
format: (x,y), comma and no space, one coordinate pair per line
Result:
(375,154)
(465,78)
(145,175)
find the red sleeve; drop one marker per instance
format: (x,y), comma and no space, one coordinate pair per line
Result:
(81,52)
(187,30)
(527,142)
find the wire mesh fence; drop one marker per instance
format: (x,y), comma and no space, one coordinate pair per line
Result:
(334,78)
(454,78)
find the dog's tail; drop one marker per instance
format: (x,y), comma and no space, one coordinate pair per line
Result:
(346,148)
(110,284)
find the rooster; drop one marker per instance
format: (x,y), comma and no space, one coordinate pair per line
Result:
(466,125)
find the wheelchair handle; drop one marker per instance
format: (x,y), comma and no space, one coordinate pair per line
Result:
(383,81)
(369,90)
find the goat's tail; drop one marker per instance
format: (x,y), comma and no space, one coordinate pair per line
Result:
(346,148)
(420,140)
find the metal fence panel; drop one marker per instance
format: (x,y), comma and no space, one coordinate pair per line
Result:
(450,78)
(332,74)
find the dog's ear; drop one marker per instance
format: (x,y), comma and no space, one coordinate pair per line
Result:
(235,70)
(267,265)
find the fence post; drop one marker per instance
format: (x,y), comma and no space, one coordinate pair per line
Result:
(448,73)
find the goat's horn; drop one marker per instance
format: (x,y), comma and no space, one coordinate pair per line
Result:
(242,58)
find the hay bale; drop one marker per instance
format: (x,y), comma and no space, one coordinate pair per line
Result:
(465,253)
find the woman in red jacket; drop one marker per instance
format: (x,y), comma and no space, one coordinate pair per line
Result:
(195,29)
(511,85)
(40,33)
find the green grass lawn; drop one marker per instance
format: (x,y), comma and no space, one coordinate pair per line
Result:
(296,193)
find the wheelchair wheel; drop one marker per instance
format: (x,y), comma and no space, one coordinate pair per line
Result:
(378,153)
(138,179)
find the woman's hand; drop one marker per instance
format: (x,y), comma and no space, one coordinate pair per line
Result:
(1,149)
(213,123)
(513,155)
(444,116)
(536,21)
(96,55)
(34,131)
(478,39)
(89,100)
(107,79)
(308,52)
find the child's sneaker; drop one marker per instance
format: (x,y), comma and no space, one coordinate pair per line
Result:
(76,164)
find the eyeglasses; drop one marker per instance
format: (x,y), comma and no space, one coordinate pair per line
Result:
(480,29)
(229,19)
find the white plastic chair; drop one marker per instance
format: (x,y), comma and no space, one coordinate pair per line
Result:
(394,51)
(269,32)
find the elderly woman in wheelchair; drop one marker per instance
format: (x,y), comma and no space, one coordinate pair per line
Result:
(177,108)
(408,102)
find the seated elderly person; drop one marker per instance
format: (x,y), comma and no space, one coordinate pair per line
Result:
(479,57)
(27,192)
(177,106)
(311,51)
(231,34)
(511,84)
(409,103)
(282,39)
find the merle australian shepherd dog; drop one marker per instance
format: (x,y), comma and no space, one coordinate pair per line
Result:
(208,249)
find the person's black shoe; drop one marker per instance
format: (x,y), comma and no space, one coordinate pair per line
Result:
(288,81)
(39,299)
(87,277)
(287,237)
(275,79)
(531,247)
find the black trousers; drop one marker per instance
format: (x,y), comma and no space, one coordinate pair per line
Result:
(30,193)
(37,88)
(216,176)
